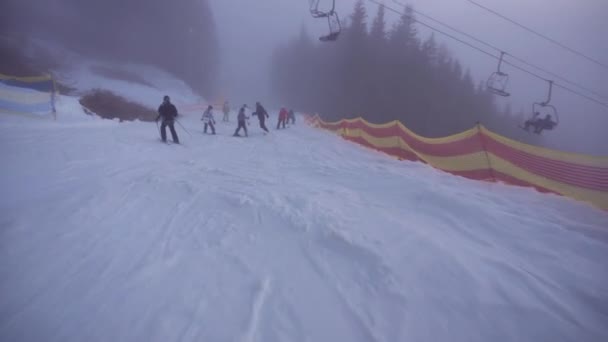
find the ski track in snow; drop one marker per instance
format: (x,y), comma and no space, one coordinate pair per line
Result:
(107,234)
(256,311)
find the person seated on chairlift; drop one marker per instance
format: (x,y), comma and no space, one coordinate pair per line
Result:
(532,121)
(546,123)
(540,124)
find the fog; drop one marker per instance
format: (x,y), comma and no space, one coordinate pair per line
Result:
(249,31)
(177,38)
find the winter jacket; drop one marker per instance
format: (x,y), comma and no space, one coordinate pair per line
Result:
(261,112)
(242,116)
(283,114)
(208,116)
(167,111)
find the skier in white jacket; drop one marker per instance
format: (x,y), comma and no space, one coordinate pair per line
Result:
(209,120)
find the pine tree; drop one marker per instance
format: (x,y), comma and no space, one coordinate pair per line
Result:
(430,50)
(378,29)
(357,29)
(385,78)
(179,37)
(404,33)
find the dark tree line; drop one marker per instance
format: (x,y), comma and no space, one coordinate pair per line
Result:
(385,74)
(178,36)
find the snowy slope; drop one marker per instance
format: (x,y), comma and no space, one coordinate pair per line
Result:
(108,235)
(83,77)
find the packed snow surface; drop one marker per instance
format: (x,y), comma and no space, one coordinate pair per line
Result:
(107,234)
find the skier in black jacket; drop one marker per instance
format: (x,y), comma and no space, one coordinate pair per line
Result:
(168,113)
(262,115)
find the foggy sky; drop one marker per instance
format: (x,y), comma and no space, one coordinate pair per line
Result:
(249,31)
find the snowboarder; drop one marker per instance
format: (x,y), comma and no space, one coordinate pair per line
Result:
(242,118)
(168,113)
(226,110)
(209,120)
(262,115)
(282,118)
(291,117)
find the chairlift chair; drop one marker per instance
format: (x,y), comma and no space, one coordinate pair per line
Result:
(335,28)
(314,9)
(498,81)
(544,109)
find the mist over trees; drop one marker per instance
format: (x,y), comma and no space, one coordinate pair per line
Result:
(178,36)
(385,74)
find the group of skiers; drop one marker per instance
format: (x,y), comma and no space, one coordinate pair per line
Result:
(168,113)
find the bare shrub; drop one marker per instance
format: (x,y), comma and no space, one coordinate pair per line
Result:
(111,106)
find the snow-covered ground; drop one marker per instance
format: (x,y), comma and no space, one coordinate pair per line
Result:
(106,234)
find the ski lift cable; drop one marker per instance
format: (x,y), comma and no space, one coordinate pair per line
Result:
(450,27)
(508,54)
(563,46)
(558,77)
(435,29)
(604,104)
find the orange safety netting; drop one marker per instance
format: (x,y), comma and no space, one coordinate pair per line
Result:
(481,154)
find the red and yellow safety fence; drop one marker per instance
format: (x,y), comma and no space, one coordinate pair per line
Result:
(481,154)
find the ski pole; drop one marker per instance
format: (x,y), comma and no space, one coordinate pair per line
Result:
(184,128)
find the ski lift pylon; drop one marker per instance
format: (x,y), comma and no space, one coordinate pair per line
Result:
(498,81)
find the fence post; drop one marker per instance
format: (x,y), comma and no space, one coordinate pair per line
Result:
(485,150)
(54,94)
